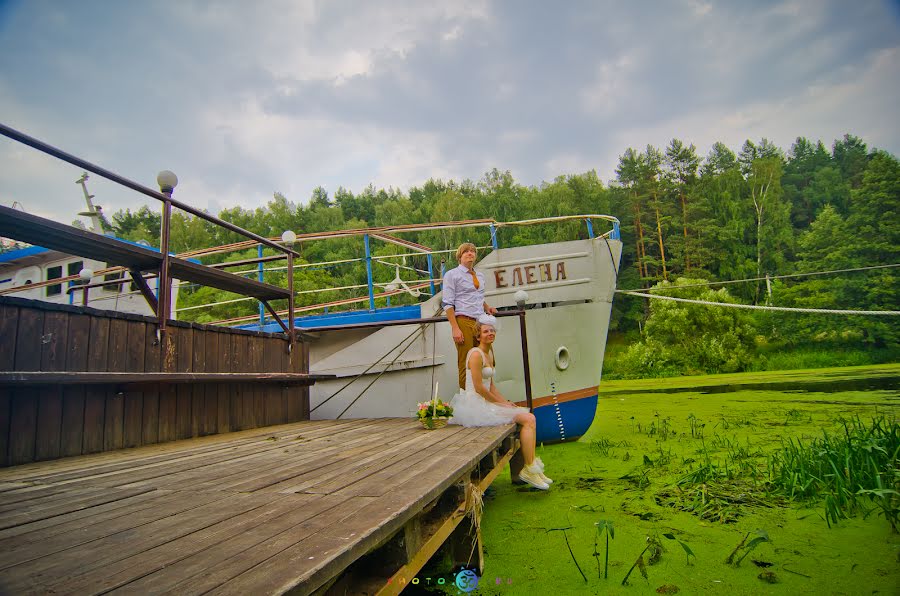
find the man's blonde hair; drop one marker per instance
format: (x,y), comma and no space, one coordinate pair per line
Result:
(465,246)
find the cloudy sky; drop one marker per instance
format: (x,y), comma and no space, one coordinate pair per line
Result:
(241,99)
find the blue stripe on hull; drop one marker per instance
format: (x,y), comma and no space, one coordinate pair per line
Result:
(388,313)
(577,416)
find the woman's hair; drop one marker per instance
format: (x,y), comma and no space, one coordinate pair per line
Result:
(465,246)
(478,326)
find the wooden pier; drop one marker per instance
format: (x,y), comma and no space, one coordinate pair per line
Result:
(349,506)
(147,455)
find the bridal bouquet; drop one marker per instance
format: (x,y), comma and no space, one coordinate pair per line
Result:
(434,413)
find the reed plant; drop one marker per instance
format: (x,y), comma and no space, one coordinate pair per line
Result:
(854,470)
(603,526)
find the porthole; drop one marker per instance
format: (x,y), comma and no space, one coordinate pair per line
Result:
(562,358)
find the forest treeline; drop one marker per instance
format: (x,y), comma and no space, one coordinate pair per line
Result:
(762,214)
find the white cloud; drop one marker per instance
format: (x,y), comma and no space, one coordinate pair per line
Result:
(308,40)
(570,163)
(409,160)
(294,155)
(818,111)
(453,34)
(699,8)
(292,94)
(613,86)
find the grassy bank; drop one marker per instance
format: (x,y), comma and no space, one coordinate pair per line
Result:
(767,357)
(685,463)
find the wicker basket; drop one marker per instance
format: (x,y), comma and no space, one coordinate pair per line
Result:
(433,423)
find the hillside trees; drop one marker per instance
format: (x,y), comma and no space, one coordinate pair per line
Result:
(722,217)
(868,237)
(773,233)
(682,163)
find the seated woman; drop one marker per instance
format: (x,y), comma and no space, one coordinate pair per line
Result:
(481,404)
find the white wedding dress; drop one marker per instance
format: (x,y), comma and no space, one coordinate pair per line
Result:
(470,409)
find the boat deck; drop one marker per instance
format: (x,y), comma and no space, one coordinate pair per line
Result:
(267,510)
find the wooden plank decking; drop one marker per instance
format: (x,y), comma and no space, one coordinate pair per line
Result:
(256,512)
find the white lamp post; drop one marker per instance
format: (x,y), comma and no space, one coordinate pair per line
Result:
(521,297)
(167,181)
(86,276)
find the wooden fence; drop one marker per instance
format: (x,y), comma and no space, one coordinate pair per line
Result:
(40,421)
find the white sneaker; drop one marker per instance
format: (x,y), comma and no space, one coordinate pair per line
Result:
(540,466)
(530,475)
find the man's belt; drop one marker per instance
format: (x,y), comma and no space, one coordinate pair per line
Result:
(465,317)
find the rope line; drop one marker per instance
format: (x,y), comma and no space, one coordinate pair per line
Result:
(829,311)
(373,365)
(785,276)
(419,331)
(612,259)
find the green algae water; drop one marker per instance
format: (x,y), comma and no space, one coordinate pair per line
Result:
(682,465)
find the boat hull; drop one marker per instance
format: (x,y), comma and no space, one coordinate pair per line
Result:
(565,421)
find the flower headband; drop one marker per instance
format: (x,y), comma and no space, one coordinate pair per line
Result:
(487,319)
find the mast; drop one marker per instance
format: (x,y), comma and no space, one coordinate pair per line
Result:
(93,213)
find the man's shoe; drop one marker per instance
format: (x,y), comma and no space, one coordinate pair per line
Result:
(530,475)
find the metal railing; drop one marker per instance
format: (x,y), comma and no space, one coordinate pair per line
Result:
(381,233)
(165,197)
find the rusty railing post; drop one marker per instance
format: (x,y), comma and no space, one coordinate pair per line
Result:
(526,366)
(167,181)
(164,281)
(290,283)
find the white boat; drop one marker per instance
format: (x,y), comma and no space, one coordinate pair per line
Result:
(385,371)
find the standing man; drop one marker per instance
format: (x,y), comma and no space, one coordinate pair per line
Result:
(463,301)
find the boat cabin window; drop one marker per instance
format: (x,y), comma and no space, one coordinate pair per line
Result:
(74,269)
(54,273)
(112,287)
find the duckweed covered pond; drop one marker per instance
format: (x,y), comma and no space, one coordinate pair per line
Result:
(684,475)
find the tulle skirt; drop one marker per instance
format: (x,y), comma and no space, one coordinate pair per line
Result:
(470,409)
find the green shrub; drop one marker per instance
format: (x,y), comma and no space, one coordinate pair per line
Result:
(681,338)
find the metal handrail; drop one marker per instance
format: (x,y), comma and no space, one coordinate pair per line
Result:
(155,194)
(345,301)
(161,304)
(375,232)
(425,227)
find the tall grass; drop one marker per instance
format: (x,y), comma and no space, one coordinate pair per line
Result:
(854,470)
